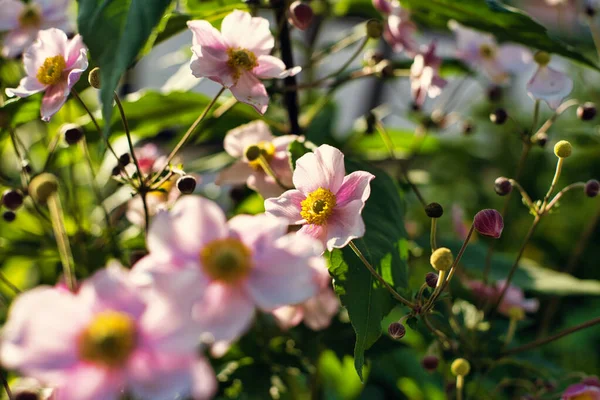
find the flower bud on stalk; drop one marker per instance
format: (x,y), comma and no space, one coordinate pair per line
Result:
(12,199)
(72,133)
(300,15)
(563,149)
(489,222)
(431,279)
(460,368)
(503,186)
(9,216)
(430,363)
(186,184)
(592,187)
(94,78)
(396,330)
(374,29)
(499,116)
(586,111)
(434,210)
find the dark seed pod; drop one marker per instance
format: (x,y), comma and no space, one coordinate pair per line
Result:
(434,210)
(300,15)
(430,363)
(541,139)
(73,134)
(116,171)
(12,199)
(9,216)
(502,186)
(499,116)
(186,184)
(586,111)
(592,187)
(396,330)
(494,93)
(431,279)
(124,160)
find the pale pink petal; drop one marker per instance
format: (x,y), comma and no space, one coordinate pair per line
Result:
(161,240)
(11,10)
(27,87)
(248,89)
(322,169)
(316,231)
(356,186)
(282,143)
(383,6)
(241,30)
(581,391)
(287,206)
(288,316)
(53,100)
(257,231)
(283,169)
(346,223)
(73,53)
(204,65)
(320,309)
(87,382)
(550,86)
(235,174)
(238,139)
(78,67)
(50,42)
(209,38)
(54,11)
(264,185)
(514,58)
(469,42)
(17,40)
(272,67)
(531,305)
(210,53)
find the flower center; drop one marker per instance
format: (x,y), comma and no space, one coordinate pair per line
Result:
(30,17)
(162,192)
(487,51)
(109,339)
(50,73)
(542,58)
(318,206)
(241,60)
(585,396)
(253,153)
(227,260)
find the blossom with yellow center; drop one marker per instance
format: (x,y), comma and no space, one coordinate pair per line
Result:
(30,17)
(487,51)
(253,153)
(109,339)
(50,73)
(241,60)
(318,206)
(227,260)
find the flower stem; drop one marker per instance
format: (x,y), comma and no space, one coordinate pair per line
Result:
(562,192)
(460,382)
(62,240)
(524,195)
(510,333)
(6,387)
(269,171)
(390,289)
(432,234)
(559,164)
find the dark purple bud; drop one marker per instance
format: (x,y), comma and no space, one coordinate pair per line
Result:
(186,184)
(489,222)
(26,167)
(9,216)
(502,186)
(371,121)
(72,134)
(592,187)
(431,279)
(430,363)
(434,210)
(124,160)
(586,111)
(12,199)
(499,116)
(116,171)
(300,15)
(396,330)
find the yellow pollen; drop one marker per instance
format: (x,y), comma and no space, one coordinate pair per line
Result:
(162,192)
(109,339)
(318,206)
(30,17)
(267,150)
(241,60)
(227,260)
(585,396)
(487,51)
(50,73)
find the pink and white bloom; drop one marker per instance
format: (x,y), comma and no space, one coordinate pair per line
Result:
(399,30)
(548,84)
(233,267)
(514,298)
(316,312)
(425,80)
(113,337)
(326,201)
(588,389)
(238,56)
(480,51)
(250,139)
(53,65)
(21,22)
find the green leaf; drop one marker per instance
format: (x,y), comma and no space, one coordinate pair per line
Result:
(115,31)
(384,246)
(505,22)
(297,150)
(19,111)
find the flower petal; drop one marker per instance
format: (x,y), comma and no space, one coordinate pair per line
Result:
(241,30)
(209,39)
(257,231)
(50,43)
(27,87)
(514,58)
(287,206)
(90,382)
(346,223)
(320,309)
(11,10)
(264,185)
(235,174)
(316,231)
(272,67)
(322,169)
(549,85)
(356,186)
(53,100)
(238,139)
(248,89)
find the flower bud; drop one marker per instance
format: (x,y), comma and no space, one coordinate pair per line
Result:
(441,259)
(542,58)
(186,184)
(503,186)
(499,116)
(12,199)
(374,28)
(396,330)
(72,133)
(94,78)
(430,363)
(494,93)
(9,216)
(434,210)
(541,139)
(124,160)
(592,187)
(586,111)
(116,171)
(42,187)
(563,149)
(460,367)
(489,222)
(300,15)
(431,279)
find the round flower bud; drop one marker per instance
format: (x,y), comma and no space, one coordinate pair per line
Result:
(12,199)
(541,139)
(9,216)
(300,15)
(94,78)
(396,330)
(430,363)
(460,367)
(502,186)
(434,210)
(489,222)
(592,187)
(374,29)
(72,133)
(586,111)
(563,149)
(186,184)
(494,93)
(499,116)
(431,279)
(42,187)
(542,58)
(116,171)
(124,160)
(441,259)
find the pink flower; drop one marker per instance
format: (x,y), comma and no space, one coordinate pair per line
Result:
(238,56)
(22,22)
(274,149)
(326,201)
(316,312)
(53,65)
(109,337)
(588,389)
(232,267)
(514,297)
(480,50)
(425,80)
(548,84)
(399,30)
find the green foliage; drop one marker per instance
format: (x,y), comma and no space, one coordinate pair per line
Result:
(297,150)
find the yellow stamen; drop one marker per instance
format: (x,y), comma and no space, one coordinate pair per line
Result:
(50,73)
(241,60)
(318,206)
(585,396)
(109,339)
(227,260)
(487,51)
(30,17)
(266,149)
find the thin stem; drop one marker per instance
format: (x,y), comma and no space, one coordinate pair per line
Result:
(512,327)
(440,283)
(524,195)
(559,165)
(432,234)
(460,382)
(62,240)
(51,150)
(7,387)
(390,289)
(536,116)
(346,64)
(269,171)
(562,192)
(8,283)
(595,34)
(337,46)
(441,335)
(552,338)
(559,110)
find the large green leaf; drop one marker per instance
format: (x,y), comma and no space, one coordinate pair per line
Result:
(115,32)
(504,22)
(384,246)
